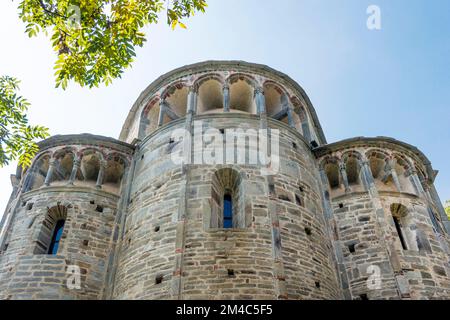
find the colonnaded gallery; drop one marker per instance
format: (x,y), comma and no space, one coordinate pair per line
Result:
(100,218)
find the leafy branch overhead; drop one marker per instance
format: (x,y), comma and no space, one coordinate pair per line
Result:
(16,136)
(95,41)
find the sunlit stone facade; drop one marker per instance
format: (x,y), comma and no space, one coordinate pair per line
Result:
(355,219)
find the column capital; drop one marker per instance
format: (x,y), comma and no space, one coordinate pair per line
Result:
(163,102)
(259,90)
(410,171)
(193,89)
(76,161)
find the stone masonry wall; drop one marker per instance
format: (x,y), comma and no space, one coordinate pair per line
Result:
(86,243)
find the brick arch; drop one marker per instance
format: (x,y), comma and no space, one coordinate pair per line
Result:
(276,97)
(242,76)
(171,88)
(404,161)
(329,159)
(210,99)
(351,153)
(376,151)
(146,124)
(89,150)
(352,161)
(175,97)
(35,176)
(206,77)
(279,88)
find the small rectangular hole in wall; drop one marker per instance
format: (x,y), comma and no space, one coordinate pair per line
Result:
(29,206)
(341,205)
(298,200)
(294,145)
(159,279)
(5,247)
(85,243)
(222,131)
(271,188)
(351,248)
(24,204)
(230,272)
(308,231)
(99,209)
(363,297)
(157,228)
(92,202)
(317,284)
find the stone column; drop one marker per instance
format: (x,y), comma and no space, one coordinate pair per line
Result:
(162,109)
(226,98)
(413,177)
(285,105)
(75,167)
(305,124)
(49,176)
(260,100)
(101,174)
(390,168)
(191,107)
(343,171)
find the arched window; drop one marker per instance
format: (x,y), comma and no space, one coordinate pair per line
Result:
(56,238)
(331,168)
(176,99)
(227,200)
(149,118)
(51,232)
(62,167)
(114,171)
(273,96)
(227,211)
(210,96)
(242,95)
(406,230)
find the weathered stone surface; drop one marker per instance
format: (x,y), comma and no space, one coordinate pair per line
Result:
(354,219)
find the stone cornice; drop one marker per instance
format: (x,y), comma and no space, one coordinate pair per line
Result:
(85,139)
(64,190)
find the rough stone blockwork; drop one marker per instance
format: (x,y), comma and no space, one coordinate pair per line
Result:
(99,218)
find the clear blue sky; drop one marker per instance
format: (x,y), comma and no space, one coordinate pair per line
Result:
(393,82)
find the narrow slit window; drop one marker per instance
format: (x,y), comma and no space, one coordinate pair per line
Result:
(227,211)
(56,238)
(400,233)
